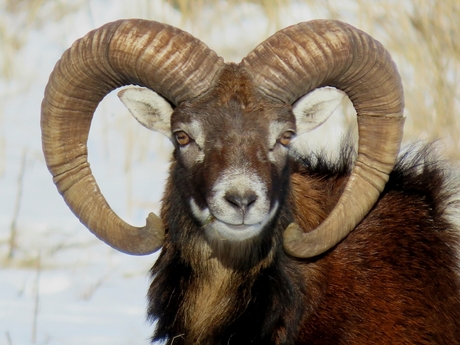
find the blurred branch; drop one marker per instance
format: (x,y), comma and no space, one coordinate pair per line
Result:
(17,206)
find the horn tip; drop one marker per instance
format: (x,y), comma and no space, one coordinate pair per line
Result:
(155,225)
(291,237)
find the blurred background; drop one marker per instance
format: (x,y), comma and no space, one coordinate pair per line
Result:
(58,284)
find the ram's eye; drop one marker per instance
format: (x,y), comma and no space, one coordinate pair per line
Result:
(286,138)
(182,138)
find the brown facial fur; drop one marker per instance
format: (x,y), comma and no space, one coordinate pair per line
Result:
(234,121)
(235,117)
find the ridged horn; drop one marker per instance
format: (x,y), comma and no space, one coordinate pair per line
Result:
(163,58)
(319,53)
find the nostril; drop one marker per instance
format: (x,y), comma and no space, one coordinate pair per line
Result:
(233,199)
(251,200)
(242,201)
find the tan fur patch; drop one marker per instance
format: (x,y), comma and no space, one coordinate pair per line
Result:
(214,294)
(210,300)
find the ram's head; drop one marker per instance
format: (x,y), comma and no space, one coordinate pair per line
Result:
(231,124)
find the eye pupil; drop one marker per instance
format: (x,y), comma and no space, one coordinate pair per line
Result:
(182,138)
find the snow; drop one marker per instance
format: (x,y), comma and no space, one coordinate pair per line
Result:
(73,308)
(63,286)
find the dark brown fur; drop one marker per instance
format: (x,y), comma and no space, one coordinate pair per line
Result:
(393,280)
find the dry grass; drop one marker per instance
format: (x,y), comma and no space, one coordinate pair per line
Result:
(18,18)
(191,10)
(422,36)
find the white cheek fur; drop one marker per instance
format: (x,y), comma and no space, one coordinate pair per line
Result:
(192,154)
(202,216)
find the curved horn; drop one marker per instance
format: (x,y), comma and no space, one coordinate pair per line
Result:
(319,53)
(170,61)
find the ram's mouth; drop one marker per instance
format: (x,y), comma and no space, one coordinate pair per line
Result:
(220,230)
(217,229)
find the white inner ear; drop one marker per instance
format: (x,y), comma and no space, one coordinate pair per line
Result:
(313,109)
(149,108)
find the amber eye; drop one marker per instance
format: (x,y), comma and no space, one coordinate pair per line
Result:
(286,138)
(182,138)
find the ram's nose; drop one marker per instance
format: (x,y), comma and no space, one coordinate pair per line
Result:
(241,200)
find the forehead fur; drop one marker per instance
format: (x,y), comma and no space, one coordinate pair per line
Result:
(235,100)
(235,88)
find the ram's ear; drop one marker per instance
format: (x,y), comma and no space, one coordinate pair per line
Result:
(313,109)
(149,108)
